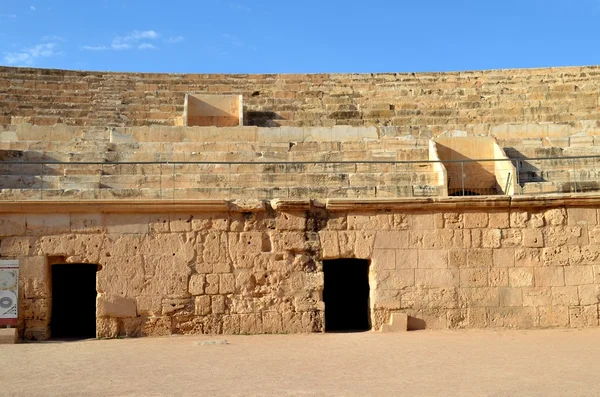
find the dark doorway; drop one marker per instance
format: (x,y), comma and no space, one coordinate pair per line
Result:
(73,301)
(346,295)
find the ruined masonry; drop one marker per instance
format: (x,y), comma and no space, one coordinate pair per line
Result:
(159,204)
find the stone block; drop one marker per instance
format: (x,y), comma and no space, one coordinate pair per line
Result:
(504,257)
(512,317)
(422,221)
(528,257)
(212,284)
(432,259)
(290,221)
(202,305)
(39,224)
(406,259)
(533,238)
(127,223)
(398,323)
(394,279)
(498,277)
(432,278)
(87,223)
(473,220)
(474,277)
(555,217)
(549,276)
(583,316)
(217,304)
(498,220)
(115,306)
(196,285)
(581,216)
(329,245)
(457,258)
(8,336)
(480,257)
(12,225)
(589,294)
(520,277)
(510,297)
(553,316)
(226,283)
(391,239)
(565,296)
(579,275)
(537,296)
(384,259)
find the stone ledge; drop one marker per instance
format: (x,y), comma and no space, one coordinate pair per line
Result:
(412,203)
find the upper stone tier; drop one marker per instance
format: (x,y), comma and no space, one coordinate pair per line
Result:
(424,104)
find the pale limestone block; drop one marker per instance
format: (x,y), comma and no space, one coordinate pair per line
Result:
(586,316)
(555,216)
(149,305)
(244,243)
(519,219)
(347,243)
(212,284)
(579,275)
(474,277)
(115,306)
(290,241)
(498,220)
(533,238)
(252,323)
(436,239)
(552,276)
(504,257)
(406,259)
(581,216)
(290,221)
(391,239)
(170,277)
(528,257)
(271,322)
(126,223)
(498,277)
(491,238)
(511,238)
(594,234)
(476,237)
(457,258)
(202,305)
(520,276)
(536,220)
(8,336)
(537,296)
(588,254)
(217,304)
(398,323)
(479,297)
(443,298)
(159,223)
(589,294)
(226,283)
(215,247)
(385,299)
(176,244)
(34,273)
(231,324)
(565,296)
(363,247)
(38,224)
(12,224)
(124,245)
(180,223)
(329,245)
(383,259)
(480,257)
(432,278)
(370,221)
(434,318)
(554,316)
(87,223)
(196,285)
(414,299)
(510,297)
(394,279)
(107,327)
(337,221)
(453,220)
(432,259)
(422,221)
(512,317)
(475,220)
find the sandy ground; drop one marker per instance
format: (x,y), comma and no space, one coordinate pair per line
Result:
(424,363)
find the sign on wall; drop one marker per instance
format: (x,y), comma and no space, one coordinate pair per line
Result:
(9,291)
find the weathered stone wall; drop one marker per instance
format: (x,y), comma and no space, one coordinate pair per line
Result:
(448,263)
(426,103)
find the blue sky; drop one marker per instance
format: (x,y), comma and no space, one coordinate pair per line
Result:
(268,36)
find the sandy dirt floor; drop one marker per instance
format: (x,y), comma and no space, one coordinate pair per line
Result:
(423,363)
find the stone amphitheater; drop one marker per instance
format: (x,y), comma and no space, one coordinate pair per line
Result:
(158,204)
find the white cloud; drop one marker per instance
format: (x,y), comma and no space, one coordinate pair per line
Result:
(9,16)
(94,47)
(173,40)
(147,46)
(137,35)
(52,38)
(32,8)
(28,56)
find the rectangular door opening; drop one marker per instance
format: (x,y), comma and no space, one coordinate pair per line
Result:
(346,295)
(73,301)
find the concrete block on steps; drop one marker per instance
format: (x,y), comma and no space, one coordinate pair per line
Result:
(8,336)
(398,323)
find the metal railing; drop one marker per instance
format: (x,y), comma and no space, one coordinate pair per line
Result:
(34,180)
